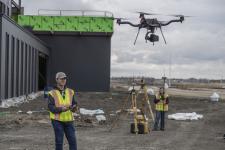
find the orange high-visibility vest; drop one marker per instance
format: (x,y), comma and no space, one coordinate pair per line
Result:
(160,106)
(60,102)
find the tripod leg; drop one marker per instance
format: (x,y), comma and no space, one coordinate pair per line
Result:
(149,104)
(150,110)
(135,113)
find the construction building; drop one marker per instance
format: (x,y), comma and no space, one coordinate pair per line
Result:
(34,48)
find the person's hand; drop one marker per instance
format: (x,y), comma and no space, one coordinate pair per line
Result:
(65,108)
(74,108)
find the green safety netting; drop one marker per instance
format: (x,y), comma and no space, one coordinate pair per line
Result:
(67,23)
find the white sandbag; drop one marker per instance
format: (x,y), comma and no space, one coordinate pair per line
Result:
(101,118)
(150,92)
(185,116)
(215,97)
(84,111)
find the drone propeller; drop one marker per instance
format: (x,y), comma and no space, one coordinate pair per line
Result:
(179,15)
(147,13)
(119,18)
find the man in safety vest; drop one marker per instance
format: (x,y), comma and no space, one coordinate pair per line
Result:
(161,106)
(61,104)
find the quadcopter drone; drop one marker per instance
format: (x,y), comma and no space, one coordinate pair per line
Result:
(151,24)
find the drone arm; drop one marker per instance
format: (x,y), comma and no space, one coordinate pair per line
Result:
(171,21)
(127,22)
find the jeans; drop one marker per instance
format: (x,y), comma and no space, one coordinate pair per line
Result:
(64,127)
(159,120)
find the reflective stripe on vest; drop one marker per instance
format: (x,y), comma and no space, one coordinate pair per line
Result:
(160,106)
(60,102)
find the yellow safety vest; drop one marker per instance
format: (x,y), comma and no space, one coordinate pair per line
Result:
(60,102)
(160,106)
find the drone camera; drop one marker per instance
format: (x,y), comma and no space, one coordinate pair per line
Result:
(152,38)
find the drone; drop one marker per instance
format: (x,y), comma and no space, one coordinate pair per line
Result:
(151,24)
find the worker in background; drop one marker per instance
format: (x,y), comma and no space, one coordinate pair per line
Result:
(62,104)
(161,107)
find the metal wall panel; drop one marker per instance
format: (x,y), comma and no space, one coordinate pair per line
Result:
(18,67)
(15,76)
(0,56)
(24,69)
(11,70)
(16,59)
(21,68)
(7,52)
(33,70)
(36,70)
(27,70)
(30,70)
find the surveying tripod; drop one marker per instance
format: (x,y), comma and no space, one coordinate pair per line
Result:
(140,121)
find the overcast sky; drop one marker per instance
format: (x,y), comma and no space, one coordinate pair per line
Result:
(195,48)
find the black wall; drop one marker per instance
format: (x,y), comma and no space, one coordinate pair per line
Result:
(85,59)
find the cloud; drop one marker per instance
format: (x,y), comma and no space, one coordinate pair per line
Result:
(32,6)
(193,48)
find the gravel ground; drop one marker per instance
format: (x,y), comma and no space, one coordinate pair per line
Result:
(21,131)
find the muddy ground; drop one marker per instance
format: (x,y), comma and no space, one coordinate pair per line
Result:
(21,131)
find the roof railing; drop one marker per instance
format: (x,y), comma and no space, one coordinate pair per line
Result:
(94,13)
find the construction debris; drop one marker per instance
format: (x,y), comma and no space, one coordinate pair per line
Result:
(137,88)
(84,111)
(20,111)
(15,101)
(29,112)
(43,121)
(100,118)
(12,102)
(185,116)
